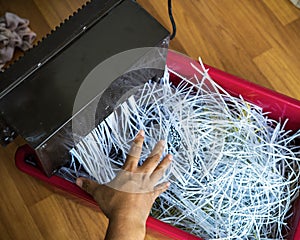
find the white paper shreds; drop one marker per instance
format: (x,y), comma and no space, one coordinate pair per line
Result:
(235,171)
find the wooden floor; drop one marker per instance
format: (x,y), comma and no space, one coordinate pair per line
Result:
(258,40)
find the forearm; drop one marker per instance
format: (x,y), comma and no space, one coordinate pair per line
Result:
(125,229)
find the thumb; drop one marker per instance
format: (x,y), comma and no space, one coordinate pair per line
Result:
(87,185)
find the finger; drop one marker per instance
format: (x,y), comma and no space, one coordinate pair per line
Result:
(159,189)
(151,162)
(87,185)
(135,151)
(161,168)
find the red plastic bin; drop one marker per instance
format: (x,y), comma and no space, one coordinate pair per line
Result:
(279,106)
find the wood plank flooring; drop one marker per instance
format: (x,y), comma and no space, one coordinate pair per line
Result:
(258,40)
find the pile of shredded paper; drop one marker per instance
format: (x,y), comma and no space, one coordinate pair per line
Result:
(235,172)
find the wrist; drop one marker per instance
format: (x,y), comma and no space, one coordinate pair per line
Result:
(126,227)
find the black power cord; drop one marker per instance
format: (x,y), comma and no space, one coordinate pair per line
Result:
(171,19)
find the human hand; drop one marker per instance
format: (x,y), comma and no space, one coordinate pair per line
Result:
(127,199)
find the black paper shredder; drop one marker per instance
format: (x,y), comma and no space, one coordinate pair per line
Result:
(38,91)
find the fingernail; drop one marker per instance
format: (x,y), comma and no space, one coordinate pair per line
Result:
(79,182)
(170,157)
(168,184)
(142,133)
